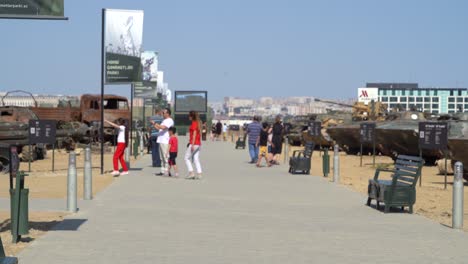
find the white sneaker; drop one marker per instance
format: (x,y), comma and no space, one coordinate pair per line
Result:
(124,173)
(115,173)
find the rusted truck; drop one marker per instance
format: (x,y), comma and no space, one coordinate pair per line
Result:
(89,112)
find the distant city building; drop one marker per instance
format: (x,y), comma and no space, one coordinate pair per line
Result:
(407,96)
(40,100)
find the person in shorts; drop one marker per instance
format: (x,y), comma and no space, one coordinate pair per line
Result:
(173,148)
(262,143)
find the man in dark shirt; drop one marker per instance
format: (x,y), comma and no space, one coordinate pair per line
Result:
(154,137)
(253,131)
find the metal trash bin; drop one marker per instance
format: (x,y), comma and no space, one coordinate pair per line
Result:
(22,217)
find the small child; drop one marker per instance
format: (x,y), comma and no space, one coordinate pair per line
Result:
(173,148)
(262,142)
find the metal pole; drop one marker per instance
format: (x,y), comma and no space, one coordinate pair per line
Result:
(30,158)
(445,174)
(420,176)
(457,209)
(336,164)
(373,152)
(127,157)
(286,150)
(53,157)
(102,91)
(131,117)
(88,176)
(361,156)
(71,183)
(142,147)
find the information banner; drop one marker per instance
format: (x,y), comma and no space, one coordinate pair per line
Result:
(433,135)
(367,132)
(315,128)
(42,131)
(149,65)
(145,89)
(31,8)
(123,36)
(186,101)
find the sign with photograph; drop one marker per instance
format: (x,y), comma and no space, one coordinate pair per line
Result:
(123,36)
(42,131)
(31,8)
(149,66)
(315,128)
(367,132)
(433,135)
(186,101)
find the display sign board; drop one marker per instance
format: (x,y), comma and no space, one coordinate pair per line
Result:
(183,119)
(123,36)
(186,101)
(144,89)
(315,128)
(33,9)
(367,132)
(42,131)
(433,135)
(149,66)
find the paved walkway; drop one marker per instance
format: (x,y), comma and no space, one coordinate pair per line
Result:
(240,214)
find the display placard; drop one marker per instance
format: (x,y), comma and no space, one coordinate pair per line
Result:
(123,36)
(32,9)
(42,131)
(367,132)
(315,128)
(433,135)
(186,101)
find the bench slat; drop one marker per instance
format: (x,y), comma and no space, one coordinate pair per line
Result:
(406,162)
(413,158)
(406,168)
(406,179)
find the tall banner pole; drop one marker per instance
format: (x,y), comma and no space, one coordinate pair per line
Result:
(131,118)
(102,92)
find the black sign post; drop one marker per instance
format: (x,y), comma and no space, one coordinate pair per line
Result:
(314,130)
(367,135)
(42,132)
(434,135)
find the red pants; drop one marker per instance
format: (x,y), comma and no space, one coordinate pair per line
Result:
(119,155)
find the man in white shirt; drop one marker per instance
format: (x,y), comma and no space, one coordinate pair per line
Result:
(163,140)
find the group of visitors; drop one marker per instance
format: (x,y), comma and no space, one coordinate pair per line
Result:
(164,145)
(265,141)
(219,131)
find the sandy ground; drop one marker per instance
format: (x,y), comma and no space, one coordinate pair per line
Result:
(43,183)
(39,224)
(432,200)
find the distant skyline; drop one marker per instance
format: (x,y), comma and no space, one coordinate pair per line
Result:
(325,49)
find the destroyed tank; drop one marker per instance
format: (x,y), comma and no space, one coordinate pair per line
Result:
(399,135)
(347,134)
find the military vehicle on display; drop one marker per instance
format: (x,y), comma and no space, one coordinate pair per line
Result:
(74,124)
(458,139)
(347,135)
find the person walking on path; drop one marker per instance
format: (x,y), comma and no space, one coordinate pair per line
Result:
(253,132)
(173,149)
(219,130)
(262,143)
(225,130)
(163,140)
(157,118)
(193,149)
(122,140)
(277,140)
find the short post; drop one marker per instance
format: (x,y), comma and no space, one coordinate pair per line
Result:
(325,163)
(336,164)
(127,156)
(88,176)
(71,183)
(457,204)
(142,145)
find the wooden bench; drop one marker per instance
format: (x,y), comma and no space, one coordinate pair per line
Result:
(240,143)
(300,160)
(400,191)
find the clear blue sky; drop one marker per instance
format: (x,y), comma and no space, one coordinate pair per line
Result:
(251,48)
